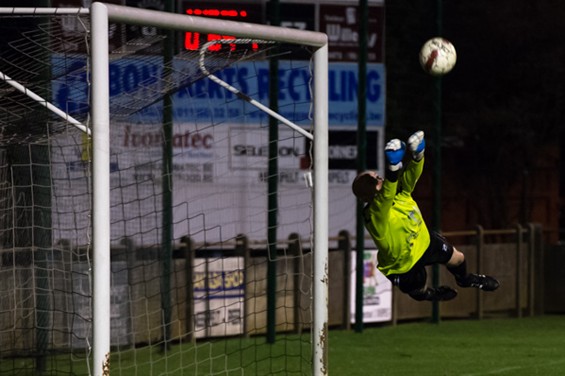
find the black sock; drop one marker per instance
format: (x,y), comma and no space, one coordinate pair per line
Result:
(434,294)
(420,295)
(459,271)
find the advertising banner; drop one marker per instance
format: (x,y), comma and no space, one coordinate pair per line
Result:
(341,24)
(377,290)
(135,81)
(219,289)
(216,143)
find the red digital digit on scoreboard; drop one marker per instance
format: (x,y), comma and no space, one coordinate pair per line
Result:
(193,41)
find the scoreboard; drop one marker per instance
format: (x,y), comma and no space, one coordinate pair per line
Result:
(339,20)
(245,12)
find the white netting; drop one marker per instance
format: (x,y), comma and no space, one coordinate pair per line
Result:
(189,224)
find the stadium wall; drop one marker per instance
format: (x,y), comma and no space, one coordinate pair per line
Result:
(517,261)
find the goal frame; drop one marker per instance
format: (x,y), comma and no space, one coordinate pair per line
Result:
(101,15)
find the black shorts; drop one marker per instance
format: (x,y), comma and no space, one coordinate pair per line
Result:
(439,252)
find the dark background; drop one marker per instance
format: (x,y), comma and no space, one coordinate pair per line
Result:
(502,106)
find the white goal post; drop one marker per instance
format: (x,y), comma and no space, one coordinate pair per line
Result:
(101,14)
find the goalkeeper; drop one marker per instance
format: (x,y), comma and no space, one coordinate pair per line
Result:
(394,221)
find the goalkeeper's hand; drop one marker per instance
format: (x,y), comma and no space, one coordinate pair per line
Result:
(394,152)
(417,145)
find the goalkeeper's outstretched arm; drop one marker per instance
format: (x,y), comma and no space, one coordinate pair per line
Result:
(417,146)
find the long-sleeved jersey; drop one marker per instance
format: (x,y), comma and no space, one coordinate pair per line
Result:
(395,223)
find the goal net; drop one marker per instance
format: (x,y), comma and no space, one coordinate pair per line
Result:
(163,194)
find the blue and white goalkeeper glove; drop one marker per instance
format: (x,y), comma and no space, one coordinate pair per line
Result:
(417,145)
(394,152)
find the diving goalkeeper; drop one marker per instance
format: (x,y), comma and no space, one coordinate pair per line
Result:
(394,221)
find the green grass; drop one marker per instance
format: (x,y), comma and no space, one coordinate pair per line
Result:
(526,346)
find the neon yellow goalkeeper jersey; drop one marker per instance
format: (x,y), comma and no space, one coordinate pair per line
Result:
(395,223)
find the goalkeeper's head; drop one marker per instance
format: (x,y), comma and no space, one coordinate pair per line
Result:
(366,185)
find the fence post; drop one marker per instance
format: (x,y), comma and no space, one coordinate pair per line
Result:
(537,262)
(242,249)
(295,250)
(480,248)
(540,246)
(344,245)
(518,270)
(130,257)
(531,269)
(188,247)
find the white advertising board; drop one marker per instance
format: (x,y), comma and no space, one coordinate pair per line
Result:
(219,172)
(377,290)
(219,288)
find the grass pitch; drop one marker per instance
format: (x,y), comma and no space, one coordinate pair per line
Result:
(527,346)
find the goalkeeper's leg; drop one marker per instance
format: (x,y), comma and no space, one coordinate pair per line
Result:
(457,265)
(441,252)
(413,283)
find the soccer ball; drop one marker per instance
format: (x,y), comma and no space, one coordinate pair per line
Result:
(438,56)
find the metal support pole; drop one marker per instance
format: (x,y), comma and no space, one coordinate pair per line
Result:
(361,160)
(437,163)
(480,248)
(518,271)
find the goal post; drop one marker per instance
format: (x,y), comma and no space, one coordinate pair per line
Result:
(108,182)
(101,190)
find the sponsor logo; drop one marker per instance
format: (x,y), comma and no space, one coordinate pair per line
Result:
(263,151)
(150,139)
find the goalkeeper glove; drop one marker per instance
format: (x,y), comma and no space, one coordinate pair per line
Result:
(394,152)
(417,145)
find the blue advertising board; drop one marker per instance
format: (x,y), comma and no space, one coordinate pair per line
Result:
(133,79)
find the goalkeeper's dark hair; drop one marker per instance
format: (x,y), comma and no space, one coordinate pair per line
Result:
(364,186)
